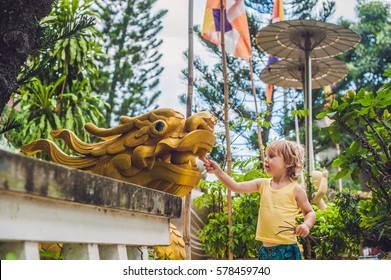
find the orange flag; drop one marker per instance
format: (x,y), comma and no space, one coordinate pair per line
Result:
(237,35)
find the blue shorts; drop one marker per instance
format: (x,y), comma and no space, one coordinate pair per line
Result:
(280,252)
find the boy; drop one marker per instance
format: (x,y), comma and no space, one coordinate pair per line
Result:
(281,199)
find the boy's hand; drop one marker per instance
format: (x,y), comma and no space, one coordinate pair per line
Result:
(210,166)
(302,230)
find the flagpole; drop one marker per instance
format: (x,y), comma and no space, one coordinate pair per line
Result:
(226,123)
(189,105)
(260,143)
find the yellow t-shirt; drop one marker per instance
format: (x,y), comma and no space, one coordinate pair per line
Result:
(276,207)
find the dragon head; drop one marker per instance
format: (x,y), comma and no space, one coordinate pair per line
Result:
(157,150)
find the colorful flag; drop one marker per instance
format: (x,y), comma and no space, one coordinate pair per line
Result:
(277,15)
(237,35)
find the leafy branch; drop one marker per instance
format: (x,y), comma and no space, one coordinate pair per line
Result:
(47,36)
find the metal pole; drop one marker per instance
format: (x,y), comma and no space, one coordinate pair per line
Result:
(308,106)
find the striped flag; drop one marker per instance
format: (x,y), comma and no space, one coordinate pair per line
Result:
(237,35)
(277,15)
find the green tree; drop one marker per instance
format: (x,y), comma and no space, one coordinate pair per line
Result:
(369,60)
(130,70)
(61,96)
(310,9)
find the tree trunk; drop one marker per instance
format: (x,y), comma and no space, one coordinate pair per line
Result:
(17,40)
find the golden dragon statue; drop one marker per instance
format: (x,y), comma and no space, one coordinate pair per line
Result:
(157,150)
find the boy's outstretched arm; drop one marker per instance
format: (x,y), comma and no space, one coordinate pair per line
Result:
(243,187)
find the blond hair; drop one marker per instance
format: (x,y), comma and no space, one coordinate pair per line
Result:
(293,155)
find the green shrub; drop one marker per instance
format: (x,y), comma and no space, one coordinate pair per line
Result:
(336,233)
(366,117)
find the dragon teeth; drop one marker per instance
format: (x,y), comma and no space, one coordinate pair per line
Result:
(195,149)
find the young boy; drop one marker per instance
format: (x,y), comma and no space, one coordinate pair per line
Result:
(281,199)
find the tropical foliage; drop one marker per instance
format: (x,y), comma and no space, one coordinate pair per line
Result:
(56,84)
(68,80)
(365,116)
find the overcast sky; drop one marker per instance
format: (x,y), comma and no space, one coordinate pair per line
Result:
(175,36)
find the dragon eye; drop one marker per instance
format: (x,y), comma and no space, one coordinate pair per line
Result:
(159,126)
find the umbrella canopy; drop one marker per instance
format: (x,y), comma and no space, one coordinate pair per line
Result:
(290,73)
(288,39)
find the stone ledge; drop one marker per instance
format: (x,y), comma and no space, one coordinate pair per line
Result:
(23,174)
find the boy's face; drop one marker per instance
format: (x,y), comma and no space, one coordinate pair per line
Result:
(274,163)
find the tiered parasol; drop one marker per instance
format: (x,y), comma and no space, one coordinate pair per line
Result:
(306,40)
(290,73)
